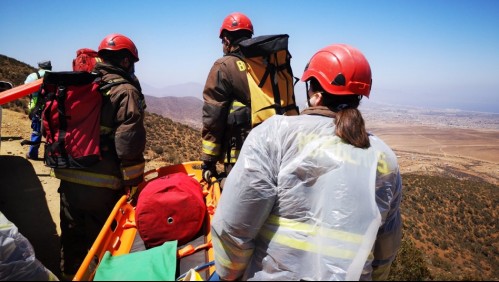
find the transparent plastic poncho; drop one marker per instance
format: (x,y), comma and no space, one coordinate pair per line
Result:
(17,256)
(300,204)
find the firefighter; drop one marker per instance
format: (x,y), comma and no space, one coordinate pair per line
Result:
(225,84)
(89,195)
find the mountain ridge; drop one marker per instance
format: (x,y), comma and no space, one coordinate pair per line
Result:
(186,110)
(189,89)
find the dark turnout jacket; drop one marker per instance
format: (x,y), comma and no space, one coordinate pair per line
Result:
(226,90)
(123,136)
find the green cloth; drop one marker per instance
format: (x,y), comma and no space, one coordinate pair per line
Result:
(155,264)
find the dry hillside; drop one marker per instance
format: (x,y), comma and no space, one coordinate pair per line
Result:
(171,142)
(450,197)
(15,72)
(186,110)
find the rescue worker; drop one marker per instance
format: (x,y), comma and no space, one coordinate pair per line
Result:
(225,90)
(89,195)
(35,108)
(314,196)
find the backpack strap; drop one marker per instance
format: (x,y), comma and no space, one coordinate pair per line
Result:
(271,70)
(61,108)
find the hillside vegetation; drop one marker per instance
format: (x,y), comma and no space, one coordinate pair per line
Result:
(170,141)
(15,72)
(450,229)
(450,224)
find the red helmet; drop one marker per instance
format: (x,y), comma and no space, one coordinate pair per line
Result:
(115,42)
(341,70)
(236,21)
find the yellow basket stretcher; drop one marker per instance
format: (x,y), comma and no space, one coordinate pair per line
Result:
(119,234)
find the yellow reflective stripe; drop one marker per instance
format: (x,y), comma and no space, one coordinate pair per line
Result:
(116,80)
(370,256)
(236,252)
(307,246)
(226,262)
(312,230)
(105,130)
(88,178)
(236,105)
(108,92)
(381,272)
(234,154)
(133,172)
(315,230)
(98,60)
(210,148)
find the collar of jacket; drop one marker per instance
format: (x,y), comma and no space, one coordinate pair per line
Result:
(235,50)
(106,68)
(319,111)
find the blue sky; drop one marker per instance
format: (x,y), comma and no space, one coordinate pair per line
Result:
(431,53)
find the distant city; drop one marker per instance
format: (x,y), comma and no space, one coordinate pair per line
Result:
(429,117)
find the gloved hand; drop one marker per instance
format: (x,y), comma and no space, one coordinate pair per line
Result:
(209,171)
(132,193)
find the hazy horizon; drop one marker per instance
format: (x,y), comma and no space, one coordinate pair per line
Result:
(195,90)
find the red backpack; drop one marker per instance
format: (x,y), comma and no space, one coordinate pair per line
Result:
(71,118)
(169,208)
(85,60)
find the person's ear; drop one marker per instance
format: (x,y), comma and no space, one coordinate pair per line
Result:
(315,99)
(319,98)
(226,41)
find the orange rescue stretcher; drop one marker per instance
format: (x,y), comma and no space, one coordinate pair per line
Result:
(119,234)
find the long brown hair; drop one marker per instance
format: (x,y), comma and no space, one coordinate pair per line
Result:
(350,125)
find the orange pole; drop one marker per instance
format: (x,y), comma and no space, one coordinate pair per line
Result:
(20,91)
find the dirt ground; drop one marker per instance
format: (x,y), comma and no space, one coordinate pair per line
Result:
(425,149)
(29,198)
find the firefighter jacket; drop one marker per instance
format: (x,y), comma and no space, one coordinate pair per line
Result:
(226,91)
(300,204)
(123,136)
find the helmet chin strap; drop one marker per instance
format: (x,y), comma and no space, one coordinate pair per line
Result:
(306,93)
